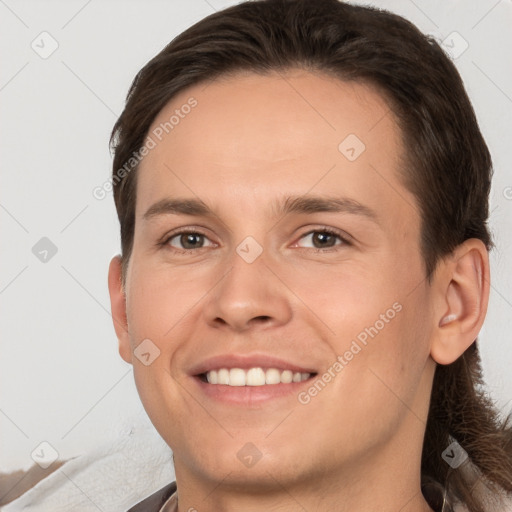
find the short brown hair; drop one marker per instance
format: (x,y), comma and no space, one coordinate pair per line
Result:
(447,163)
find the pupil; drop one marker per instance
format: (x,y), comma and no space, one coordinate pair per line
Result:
(323,239)
(191,241)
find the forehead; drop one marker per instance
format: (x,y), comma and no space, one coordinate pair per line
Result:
(249,138)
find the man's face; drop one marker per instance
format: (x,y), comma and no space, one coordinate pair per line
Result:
(289,243)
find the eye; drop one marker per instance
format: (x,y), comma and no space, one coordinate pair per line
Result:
(321,239)
(188,240)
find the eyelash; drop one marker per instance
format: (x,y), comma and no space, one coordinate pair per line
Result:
(345,239)
(165,242)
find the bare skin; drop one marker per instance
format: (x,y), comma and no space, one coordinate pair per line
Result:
(355,444)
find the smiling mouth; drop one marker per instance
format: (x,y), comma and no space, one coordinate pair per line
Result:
(238,377)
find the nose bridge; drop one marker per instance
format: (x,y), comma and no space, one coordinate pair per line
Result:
(248,275)
(249,293)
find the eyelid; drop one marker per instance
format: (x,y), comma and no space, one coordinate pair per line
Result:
(345,238)
(165,239)
(342,235)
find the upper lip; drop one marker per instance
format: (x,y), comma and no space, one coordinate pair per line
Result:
(246,361)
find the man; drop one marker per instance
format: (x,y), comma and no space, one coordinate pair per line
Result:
(300,289)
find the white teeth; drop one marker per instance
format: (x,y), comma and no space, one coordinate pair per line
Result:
(254,376)
(272,376)
(236,377)
(222,376)
(286,376)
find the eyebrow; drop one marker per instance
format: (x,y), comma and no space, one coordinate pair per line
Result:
(315,204)
(290,204)
(177,207)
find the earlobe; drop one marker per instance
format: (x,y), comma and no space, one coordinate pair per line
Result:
(118,308)
(463,281)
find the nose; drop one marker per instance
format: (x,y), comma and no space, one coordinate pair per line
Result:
(249,296)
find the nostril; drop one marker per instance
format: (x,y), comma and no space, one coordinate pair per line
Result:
(262,318)
(242,323)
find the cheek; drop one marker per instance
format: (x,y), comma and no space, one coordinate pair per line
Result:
(160,302)
(378,328)
(351,299)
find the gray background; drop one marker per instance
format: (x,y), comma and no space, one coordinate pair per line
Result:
(62,380)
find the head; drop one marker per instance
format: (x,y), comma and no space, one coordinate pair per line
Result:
(305,180)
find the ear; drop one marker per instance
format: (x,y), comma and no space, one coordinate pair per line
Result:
(462,284)
(118,308)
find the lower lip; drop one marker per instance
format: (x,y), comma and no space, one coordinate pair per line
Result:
(250,395)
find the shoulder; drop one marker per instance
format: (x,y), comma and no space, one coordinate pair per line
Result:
(154,502)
